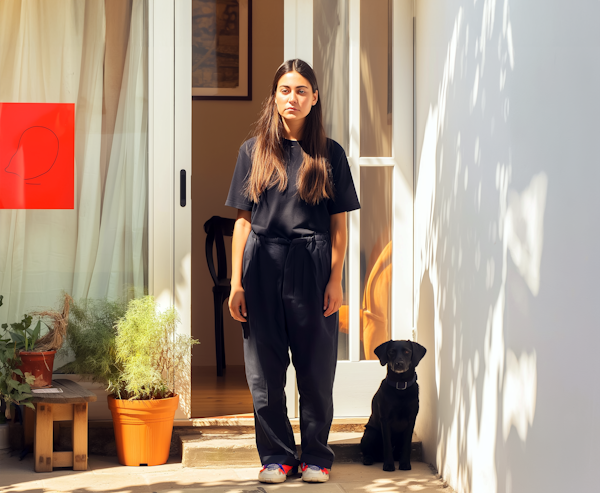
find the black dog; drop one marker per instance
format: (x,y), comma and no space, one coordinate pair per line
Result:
(388,434)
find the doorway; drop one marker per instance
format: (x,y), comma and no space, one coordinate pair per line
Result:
(362,52)
(218,130)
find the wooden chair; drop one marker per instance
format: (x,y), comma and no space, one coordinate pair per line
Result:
(216,228)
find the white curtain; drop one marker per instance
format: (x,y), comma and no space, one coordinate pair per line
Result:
(120,259)
(54,51)
(331,63)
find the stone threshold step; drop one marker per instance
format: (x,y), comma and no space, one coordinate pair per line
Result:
(245,425)
(223,450)
(101,438)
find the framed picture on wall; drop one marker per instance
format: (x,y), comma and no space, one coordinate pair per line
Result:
(222,49)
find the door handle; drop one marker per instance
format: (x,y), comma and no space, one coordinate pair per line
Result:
(182,188)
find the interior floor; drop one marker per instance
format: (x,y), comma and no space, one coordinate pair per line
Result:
(214,396)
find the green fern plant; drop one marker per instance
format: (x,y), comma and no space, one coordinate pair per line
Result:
(90,340)
(148,349)
(132,348)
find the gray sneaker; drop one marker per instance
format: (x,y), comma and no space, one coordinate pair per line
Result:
(275,473)
(314,474)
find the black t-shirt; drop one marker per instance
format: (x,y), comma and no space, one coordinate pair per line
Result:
(285,214)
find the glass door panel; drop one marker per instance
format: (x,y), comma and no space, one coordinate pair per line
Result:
(375,257)
(362,54)
(93,55)
(376,78)
(330,61)
(331,64)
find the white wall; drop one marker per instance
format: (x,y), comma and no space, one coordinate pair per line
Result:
(507,242)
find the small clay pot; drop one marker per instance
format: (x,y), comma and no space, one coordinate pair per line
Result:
(40,365)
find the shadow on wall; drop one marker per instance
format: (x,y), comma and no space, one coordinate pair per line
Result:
(468,218)
(427,420)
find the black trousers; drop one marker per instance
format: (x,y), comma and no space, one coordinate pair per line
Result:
(284,283)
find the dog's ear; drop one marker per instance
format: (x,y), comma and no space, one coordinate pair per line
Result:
(381,353)
(418,352)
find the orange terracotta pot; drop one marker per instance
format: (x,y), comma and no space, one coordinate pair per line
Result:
(39,364)
(143,429)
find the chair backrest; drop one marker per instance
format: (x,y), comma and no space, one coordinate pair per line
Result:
(216,228)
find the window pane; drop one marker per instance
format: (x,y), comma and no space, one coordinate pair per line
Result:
(331,55)
(93,55)
(375,78)
(375,257)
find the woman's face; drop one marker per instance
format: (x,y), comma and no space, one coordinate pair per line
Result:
(294,98)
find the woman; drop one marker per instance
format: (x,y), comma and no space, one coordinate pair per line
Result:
(292,187)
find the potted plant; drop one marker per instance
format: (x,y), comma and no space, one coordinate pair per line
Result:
(138,364)
(35,353)
(37,363)
(13,391)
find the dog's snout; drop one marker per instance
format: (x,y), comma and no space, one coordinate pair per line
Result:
(399,366)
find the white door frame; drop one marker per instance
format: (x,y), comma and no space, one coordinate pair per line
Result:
(169,142)
(356,381)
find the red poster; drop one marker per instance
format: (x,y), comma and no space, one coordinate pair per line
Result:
(37,155)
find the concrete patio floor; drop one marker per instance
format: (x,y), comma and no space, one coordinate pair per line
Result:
(106,474)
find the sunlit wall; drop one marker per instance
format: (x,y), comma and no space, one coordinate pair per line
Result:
(507,242)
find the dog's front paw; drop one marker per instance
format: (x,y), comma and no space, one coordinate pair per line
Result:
(367,461)
(404,466)
(389,466)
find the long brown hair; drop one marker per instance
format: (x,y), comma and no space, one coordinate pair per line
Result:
(268,165)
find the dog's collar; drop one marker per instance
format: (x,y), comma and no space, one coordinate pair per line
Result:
(401,385)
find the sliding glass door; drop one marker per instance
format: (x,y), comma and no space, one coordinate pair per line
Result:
(94,56)
(115,66)
(362,52)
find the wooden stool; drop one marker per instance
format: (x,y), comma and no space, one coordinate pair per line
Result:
(69,405)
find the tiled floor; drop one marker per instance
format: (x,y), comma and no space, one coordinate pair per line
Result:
(105,474)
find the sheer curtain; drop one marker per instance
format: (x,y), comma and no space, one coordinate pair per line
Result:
(55,51)
(121,254)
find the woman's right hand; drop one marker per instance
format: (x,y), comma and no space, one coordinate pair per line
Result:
(237,298)
(237,304)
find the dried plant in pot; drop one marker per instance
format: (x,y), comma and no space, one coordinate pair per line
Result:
(38,359)
(26,357)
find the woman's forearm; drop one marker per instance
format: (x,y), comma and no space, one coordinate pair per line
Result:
(240,236)
(338,233)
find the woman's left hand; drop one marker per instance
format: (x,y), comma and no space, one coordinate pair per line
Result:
(333,297)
